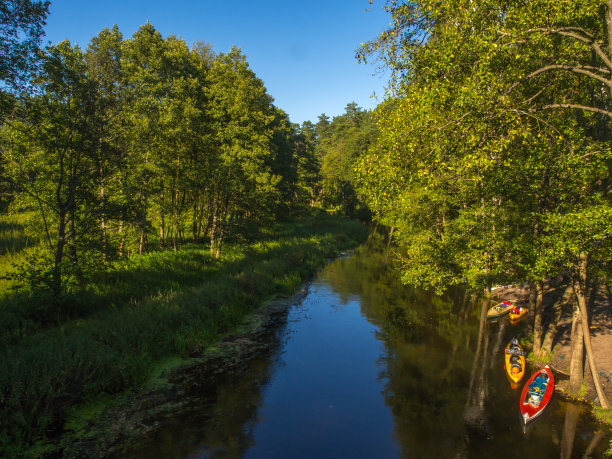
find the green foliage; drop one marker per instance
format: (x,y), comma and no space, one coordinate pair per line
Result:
(338,144)
(153,307)
(140,134)
(21,31)
(480,163)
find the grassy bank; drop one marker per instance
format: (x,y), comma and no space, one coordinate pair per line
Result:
(108,338)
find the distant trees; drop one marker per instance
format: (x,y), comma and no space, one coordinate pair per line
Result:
(493,159)
(337,145)
(143,137)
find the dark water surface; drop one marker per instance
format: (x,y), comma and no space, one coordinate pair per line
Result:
(366,367)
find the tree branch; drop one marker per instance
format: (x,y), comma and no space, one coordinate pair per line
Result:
(579,34)
(577,106)
(570,68)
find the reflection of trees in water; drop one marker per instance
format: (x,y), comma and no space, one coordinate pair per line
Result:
(428,353)
(436,348)
(572,414)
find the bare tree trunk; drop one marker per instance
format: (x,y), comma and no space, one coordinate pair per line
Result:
(222,226)
(580,285)
(174,238)
(213,229)
(577,353)
(375,228)
(533,294)
(551,331)
(220,241)
(194,221)
(537,324)
(141,244)
(72,250)
(102,214)
(391,231)
(162,227)
(59,254)
(121,239)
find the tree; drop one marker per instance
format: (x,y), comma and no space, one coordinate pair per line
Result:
(51,158)
(242,117)
(482,141)
(21,30)
(339,144)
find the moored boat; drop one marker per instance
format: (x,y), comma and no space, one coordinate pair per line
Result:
(514,361)
(499,310)
(517,313)
(536,394)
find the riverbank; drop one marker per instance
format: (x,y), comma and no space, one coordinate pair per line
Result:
(156,312)
(124,424)
(601,337)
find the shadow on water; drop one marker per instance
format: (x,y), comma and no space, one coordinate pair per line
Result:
(367,367)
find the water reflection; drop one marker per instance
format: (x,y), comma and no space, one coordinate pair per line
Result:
(370,368)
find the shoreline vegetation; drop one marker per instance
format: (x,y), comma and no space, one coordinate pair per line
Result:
(112,336)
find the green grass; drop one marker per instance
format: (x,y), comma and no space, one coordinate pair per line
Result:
(152,309)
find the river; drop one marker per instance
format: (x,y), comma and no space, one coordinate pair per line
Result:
(366,367)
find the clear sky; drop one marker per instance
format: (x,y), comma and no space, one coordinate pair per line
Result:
(302,50)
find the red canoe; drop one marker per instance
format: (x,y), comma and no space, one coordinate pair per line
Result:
(536,394)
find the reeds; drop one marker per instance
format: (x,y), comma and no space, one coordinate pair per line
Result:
(108,337)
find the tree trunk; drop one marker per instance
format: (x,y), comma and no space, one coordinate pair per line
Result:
(59,254)
(213,228)
(609,27)
(219,241)
(162,227)
(576,353)
(194,221)
(391,231)
(174,238)
(580,285)
(121,239)
(533,293)
(141,244)
(72,250)
(102,215)
(537,324)
(551,331)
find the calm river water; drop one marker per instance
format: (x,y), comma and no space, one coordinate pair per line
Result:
(366,367)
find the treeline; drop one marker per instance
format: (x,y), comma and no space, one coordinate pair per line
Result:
(493,162)
(143,137)
(142,143)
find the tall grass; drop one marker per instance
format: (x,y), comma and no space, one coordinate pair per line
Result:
(148,309)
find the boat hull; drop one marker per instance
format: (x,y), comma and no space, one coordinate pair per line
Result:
(529,410)
(508,353)
(499,310)
(517,313)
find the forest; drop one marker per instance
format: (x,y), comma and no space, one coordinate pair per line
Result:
(493,160)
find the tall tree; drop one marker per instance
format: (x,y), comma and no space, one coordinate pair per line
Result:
(496,121)
(51,157)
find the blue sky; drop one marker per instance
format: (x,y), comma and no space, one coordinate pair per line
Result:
(302,50)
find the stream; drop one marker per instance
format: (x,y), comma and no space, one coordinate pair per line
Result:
(367,367)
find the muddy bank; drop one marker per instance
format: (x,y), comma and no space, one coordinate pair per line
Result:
(129,421)
(600,325)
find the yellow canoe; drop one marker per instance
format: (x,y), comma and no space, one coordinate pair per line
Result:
(499,310)
(516,313)
(514,361)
